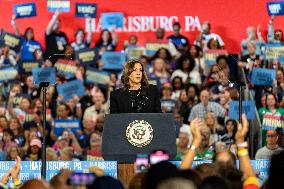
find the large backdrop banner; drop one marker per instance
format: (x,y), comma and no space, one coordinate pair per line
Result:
(228,18)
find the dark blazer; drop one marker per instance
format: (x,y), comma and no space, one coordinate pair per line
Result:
(120,101)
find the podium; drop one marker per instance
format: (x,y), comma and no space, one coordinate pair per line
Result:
(126,135)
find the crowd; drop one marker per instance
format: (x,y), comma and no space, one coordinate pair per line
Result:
(189,89)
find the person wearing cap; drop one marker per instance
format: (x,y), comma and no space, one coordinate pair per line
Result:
(137,95)
(34,152)
(271,146)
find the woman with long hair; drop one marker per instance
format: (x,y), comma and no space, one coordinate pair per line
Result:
(137,95)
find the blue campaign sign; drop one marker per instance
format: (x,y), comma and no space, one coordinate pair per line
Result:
(275,8)
(25,10)
(97,77)
(60,125)
(248,109)
(86,10)
(27,66)
(61,5)
(32,169)
(263,76)
(113,60)
(86,57)
(68,89)
(111,19)
(274,51)
(8,73)
(44,75)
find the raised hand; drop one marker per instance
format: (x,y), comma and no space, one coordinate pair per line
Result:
(195,130)
(242,130)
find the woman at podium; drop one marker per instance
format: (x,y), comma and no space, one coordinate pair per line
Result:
(137,95)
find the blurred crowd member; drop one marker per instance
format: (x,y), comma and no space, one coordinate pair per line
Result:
(80,41)
(196,53)
(180,41)
(56,40)
(182,144)
(178,86)
(271,146)
(230,131)
(159,71)
(29,44)
(107,41)
(34,151)
(165,54)
(215,129)
(253,37)
(274,36)
(204,106)
(94,151)
(7,57)
(280,85)
(168,104)
(205,151)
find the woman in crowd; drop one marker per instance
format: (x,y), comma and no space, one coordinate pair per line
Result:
(34,152)
(159,71)
(7,141)
(13,152)
(29,44)
(230,132)
(185,65)
(178,86)
(106,42)
(80,41)
(196,53)
(17,130)
(94,152)
(165,54)
(139,95)
(215,128)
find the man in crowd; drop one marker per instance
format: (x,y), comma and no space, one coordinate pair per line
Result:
(180,41)
(199,110)
(271,146)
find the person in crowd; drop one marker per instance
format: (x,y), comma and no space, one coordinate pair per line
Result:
(30,88)
(94,152)
(178,86)
(13,152)
(80,41)
(141,96)
(204,106)
(165,54)
(213,44)
(160,71)
(177,183)
(56,40)
(17,130)
(274,36)
(196,53)
(29,44)
(230,131)
(182,145)
(185,65)
(254,37)
(205,35)
(75,107)
(7,57)
(275,169)
(51,154)
(107,41)
(133,40)
(215,128)
(168,104)
(181,42)
(67,154)
(34,152)
(205,151)
(99,106)
(280,85)
(3,122)
(272,108)
(271,146)
(7,141)
(160,35)
(63,111)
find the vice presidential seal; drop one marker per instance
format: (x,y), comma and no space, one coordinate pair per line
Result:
(139,133)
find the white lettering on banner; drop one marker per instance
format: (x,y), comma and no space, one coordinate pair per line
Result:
(261,164)
(88,9)
(274,8)
(34,166)
(192,23)
(58,4)
(151,23)
(4,166)
(25,10)
(77,165)
(57,165)
(67,124)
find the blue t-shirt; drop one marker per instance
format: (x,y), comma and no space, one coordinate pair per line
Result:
(28,49)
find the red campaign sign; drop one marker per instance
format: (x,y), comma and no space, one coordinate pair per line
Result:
(229,19)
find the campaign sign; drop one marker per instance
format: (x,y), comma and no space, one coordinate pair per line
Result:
(263,76)
(61,5)
(32,169)
(275,52)
(113,60)
(44,75)
(67,68)
(71,88)
(25,10)
(86,10)
(97,77)
(27,66)
(10,40)
(275,8)
(248,109)
(7,74)
(135,52)
(152,48)
(111,19)
(18,98)
(61,125)
(86,56)
(272,122)
(211,55)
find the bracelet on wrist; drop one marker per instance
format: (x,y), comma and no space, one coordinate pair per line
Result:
(243,152)
(242,145)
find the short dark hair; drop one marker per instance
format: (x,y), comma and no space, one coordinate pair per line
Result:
(176,24)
